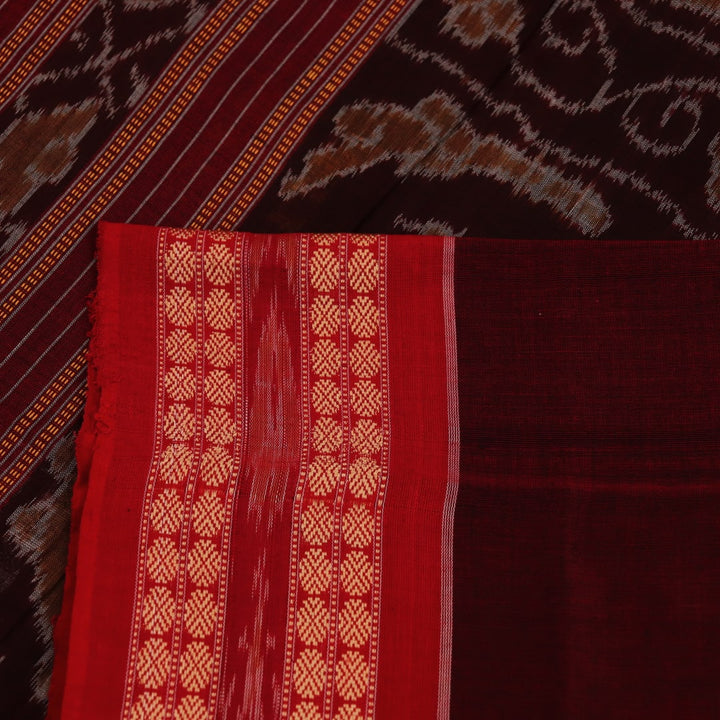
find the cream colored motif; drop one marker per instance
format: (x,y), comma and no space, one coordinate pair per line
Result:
(177,626)
(331,654)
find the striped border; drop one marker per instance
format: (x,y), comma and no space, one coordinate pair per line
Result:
(122,139)
(41,48)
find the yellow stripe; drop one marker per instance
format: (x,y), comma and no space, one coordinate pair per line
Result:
(82,187)
(76,365)
(291,99)
(58,424)
(41,49)
(24,29)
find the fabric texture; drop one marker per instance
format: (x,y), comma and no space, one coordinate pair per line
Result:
(506,118)
(367,476)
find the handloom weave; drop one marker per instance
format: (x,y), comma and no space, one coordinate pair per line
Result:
(369,476)
(506,118)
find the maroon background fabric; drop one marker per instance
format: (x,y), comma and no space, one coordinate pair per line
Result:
(587,547)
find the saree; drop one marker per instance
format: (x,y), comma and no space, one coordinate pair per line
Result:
(378,476)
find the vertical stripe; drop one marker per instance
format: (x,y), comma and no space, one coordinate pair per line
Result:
(446,589)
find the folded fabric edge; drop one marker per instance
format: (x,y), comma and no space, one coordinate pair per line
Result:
(103,307)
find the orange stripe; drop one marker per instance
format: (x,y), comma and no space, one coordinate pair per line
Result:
(82,187)
(24,29)
(58,424)
(76,365)
(291,99)
(41,49)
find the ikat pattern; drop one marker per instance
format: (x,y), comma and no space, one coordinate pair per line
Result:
(332,636)
(175,648)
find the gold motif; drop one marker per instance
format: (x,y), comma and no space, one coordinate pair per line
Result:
(363,271)
(148,706)
(180,262)
(219,387)
(326,435)
(166,512)
(324,268)
(195,666)
(180,383)
(326,397)
(180,346)
(316,523)
(204,563)
(365,398)
(325,358)
(363,477)
(315,570)
(191,707)
(180,306)
(323,474)
(364,359)
(215,466)
(365,437)
(158,610)
(219,426)
(162,560)
(207,514)
(357,524)
(219,309)
(309,673)
(218,261)
(352,675)
(200,613)
(153,663)
(364,317)
(175,463)
(219,349)
(324,316)
(356,573)
(179,422)
(355,623)
(313,620)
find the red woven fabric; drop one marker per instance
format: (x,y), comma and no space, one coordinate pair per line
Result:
(366,476)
